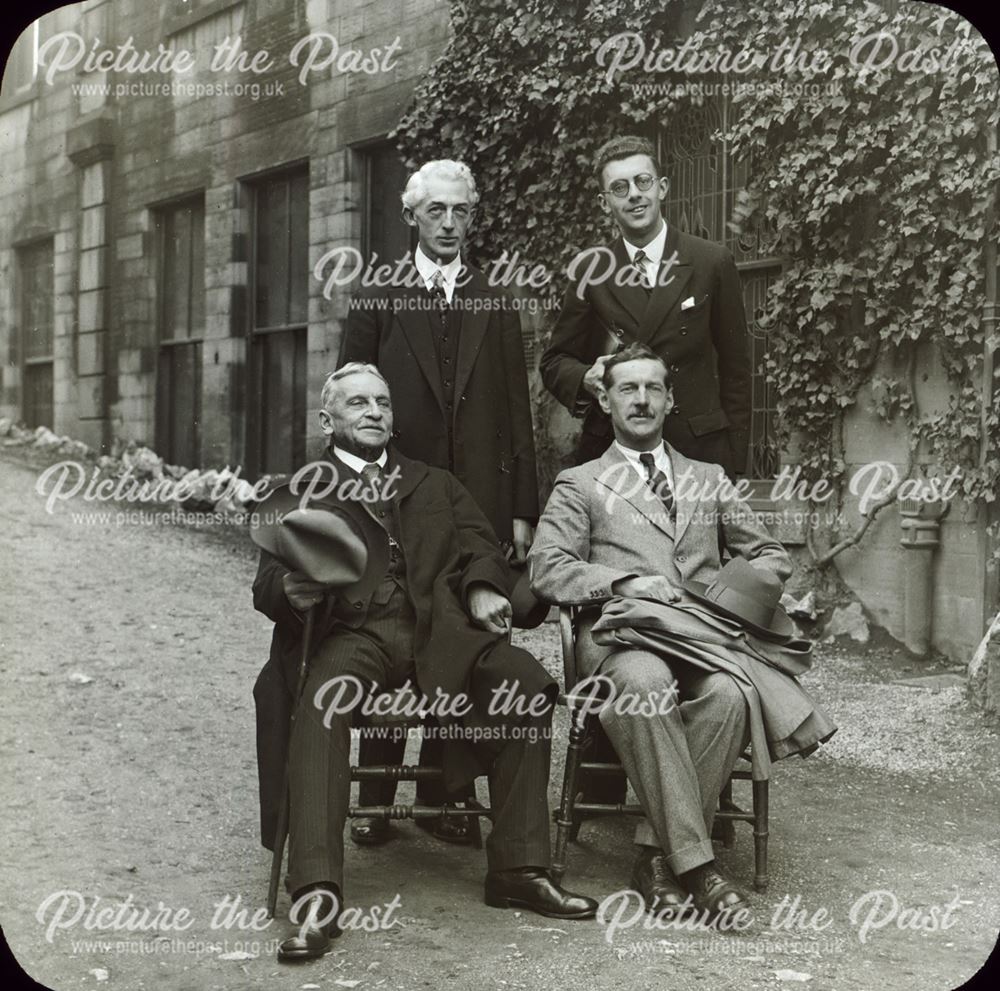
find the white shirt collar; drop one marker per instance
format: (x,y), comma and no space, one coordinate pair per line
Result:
(660,458)
(653,250)
(355,463)
(427,268)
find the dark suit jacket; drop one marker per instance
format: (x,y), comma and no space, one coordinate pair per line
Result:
(494,449)
(448,545)
(706,348)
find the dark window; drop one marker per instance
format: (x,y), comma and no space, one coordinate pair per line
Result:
(385,233)
(281,262)
(280,293)
(36,290)
(181,327)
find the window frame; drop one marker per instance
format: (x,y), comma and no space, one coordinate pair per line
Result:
(24,250)
(255,422)
(167,348)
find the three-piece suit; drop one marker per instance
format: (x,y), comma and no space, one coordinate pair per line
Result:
(459,391)
(414,625)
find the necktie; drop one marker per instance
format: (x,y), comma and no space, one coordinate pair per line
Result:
(658,482)
(639,260)
(437,289)
(370,473)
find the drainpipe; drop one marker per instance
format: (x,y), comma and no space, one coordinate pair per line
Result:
(990,308)
(921,526)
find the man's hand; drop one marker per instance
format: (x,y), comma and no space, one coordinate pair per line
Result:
(650,587)
(524,534)
(488,608)
(302,592)
(592,381)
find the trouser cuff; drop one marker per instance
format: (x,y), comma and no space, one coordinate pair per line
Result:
(690,857)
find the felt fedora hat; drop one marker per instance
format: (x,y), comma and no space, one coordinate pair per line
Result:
(332,541)
(749,595)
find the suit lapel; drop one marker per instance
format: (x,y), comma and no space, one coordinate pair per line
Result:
(687,502)
(675,269)
(411,473)
(415,322)
(473,327)
(618,476)
(632,298)
(409,476)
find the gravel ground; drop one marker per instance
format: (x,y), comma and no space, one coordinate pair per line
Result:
(129,653)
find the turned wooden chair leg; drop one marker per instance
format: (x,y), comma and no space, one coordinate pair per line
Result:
(760,830)
(724,830)
(475,828)
(566,824)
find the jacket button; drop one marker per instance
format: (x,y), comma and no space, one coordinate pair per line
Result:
(681,558)
(674,368)
(357,605)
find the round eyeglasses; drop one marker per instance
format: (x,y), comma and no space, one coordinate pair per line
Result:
(620,187)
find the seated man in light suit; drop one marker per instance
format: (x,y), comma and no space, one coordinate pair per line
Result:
(599,538)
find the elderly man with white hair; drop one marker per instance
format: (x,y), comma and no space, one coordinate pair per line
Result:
(436,619)
(449,344)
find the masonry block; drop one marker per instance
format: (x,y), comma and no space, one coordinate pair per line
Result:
(90,352)
(93,227)
(93,268)
(90,431)
(91,308)
(94,185)
(129,246)
(90,397)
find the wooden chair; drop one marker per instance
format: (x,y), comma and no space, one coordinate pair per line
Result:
(571,812)
(471,807)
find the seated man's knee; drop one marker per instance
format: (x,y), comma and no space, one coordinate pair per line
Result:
(639,671)
(726,694)
(645,687)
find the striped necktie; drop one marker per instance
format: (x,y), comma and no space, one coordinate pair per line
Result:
(658,482)
(639,260)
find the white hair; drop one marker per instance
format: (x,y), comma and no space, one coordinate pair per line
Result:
(416,186)
(351,368)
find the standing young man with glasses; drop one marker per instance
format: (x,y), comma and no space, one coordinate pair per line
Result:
(678,294)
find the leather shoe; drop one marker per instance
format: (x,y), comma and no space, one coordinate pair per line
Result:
(713,894)
(319,928)
(448,829)
(371,831)
(533,889)
(655,881)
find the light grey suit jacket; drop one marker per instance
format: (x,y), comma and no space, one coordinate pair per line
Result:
(603,524)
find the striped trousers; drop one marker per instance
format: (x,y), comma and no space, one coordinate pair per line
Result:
(381,652)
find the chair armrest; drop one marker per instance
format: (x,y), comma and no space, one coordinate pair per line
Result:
(567,634)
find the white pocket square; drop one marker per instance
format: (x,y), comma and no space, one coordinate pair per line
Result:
(688,303)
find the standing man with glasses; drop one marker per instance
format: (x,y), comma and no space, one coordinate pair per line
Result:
(678,294)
